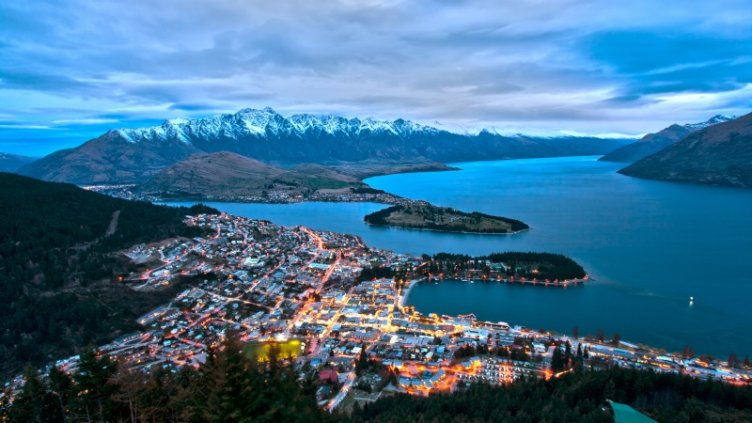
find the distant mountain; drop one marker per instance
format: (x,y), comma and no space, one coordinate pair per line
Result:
(13,162)
(717,155)
(653,143)
(131,155)
(230,175)
(110,158)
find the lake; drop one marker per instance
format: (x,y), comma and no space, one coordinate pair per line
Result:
(647,245)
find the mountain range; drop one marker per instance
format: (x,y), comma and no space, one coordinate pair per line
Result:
(133,155)
(719,154)
(653,143)
(13,162)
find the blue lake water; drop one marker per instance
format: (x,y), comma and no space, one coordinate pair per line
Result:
(648,246)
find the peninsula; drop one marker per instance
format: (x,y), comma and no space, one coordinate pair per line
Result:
(515,267)
(231,177)
(422,215)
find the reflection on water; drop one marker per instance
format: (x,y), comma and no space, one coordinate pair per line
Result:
(648,245)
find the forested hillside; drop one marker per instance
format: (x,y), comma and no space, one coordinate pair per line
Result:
(235,387)
(57,265)
(577,397)
(230,388)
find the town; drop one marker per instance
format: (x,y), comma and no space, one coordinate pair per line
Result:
(335,309)
(267,196)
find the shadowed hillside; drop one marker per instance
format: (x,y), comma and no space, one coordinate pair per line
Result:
(718,155)
(57,266)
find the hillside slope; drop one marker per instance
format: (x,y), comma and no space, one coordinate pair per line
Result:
(13,162)
(109,158)
(717,155)
(653,143)
(229,175)
(57,266)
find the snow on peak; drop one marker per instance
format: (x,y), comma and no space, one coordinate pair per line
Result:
(268,123)
(177,121)
(710,122)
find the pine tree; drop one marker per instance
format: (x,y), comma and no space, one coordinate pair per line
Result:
(557,362)
(688,353)
(362,364)
(94,399)
(29,405)
(131,384)
(61,387)
(225,378)
(733,360)
(616,339)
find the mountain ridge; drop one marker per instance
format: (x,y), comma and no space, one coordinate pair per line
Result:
(132,155)
(654,142)
(12,162)
(720,154)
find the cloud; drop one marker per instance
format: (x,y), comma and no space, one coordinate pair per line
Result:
(587,66)
(191,107)
(84,121)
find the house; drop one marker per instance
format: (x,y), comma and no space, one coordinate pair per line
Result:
(328,375)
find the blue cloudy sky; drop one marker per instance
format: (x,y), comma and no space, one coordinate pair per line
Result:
(70,69)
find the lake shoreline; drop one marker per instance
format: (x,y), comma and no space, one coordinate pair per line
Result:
(406,292)
(633,235)
(406,228)
(564,284)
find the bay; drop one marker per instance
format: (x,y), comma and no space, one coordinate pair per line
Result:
(647,245)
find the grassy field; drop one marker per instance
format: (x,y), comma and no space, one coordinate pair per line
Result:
(287,349)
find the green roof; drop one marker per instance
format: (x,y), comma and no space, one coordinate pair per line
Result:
(626,414)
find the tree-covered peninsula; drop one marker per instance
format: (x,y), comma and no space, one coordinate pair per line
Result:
(421,215)
(508,265)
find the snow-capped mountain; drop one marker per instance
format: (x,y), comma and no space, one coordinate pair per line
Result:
(710,122)
(129,155)
(653,143)
(249,123)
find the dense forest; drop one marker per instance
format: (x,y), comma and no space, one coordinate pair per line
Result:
(57,266)
(230,387)
(519,264)
(575,397)
(235,387)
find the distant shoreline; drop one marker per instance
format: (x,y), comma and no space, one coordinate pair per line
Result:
(562,284)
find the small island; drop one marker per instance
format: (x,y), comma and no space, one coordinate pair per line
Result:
(421,215)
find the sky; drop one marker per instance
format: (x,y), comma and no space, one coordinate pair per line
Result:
(72,69)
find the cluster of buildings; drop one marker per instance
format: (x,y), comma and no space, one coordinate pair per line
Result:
(274,284)
(270,195)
